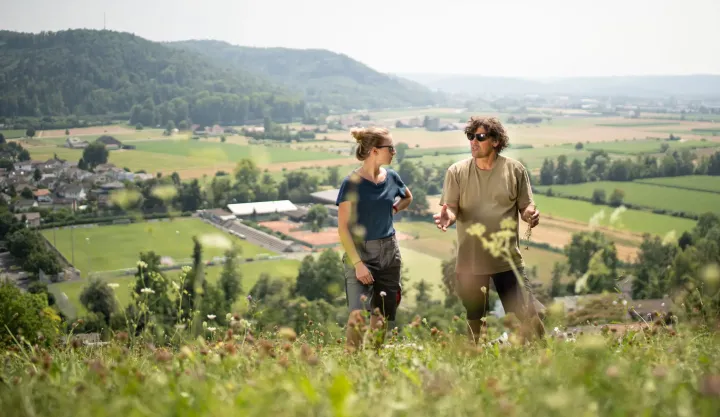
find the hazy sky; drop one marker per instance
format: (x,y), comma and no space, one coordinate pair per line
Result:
(500,37)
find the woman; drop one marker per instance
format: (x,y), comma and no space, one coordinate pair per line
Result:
(366,205)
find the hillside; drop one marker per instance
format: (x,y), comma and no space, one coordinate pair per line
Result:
(323,77)
(637,86)
(90,72)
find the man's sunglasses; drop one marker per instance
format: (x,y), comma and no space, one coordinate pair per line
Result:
(391,148)
(481,137)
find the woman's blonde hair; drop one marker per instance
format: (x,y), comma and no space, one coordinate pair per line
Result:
(368,138)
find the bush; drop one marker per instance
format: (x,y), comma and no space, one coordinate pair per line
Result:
(26,316)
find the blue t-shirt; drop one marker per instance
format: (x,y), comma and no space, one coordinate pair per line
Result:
(374,202)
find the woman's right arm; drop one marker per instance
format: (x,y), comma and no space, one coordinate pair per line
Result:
(361,271)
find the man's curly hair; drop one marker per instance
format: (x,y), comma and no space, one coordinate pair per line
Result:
(492,126)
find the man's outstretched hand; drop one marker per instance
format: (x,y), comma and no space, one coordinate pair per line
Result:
(444,219)
(531,216)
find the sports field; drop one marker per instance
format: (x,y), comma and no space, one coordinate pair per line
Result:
(250,271)
(109,248)
(665,198)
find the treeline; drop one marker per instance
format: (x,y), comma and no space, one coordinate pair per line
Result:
(273,131)
(599,167)
(27,246)
(85,72)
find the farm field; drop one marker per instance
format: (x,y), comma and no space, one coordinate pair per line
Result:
(690,182)
(633,147)
(665,198)
(251,271)
(629,220)
(12,133)
(430,241)
(85,131)
(109,248)
(193,159)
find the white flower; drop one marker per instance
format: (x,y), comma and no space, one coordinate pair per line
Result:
(557,330)
(147,291)
(483,289)
(141,264)
(175,285)
(614,302)
(229,317)
(212,329)
(186,269)
(624,302)
(113,285)
(383,293)
(662,305)
(211,316)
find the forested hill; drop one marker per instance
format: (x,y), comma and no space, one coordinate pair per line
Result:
(90,72)
(325,78)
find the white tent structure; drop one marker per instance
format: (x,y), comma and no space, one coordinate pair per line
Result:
(261,208)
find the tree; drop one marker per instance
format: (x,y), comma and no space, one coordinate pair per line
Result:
(598,196)
(26,193)
(593,259)
(83,165)
(577,172)
(333,177)
(37,175)
(2,139)
(420,203)
(321,279)
(400,150)
(556,288)
(316,216)
(652,269)
(30,132)
(230,279)
(616,198)
(578,146)
(95,154)
(562,173)
(99,298)
(547,172)
(422,297)
(26,314)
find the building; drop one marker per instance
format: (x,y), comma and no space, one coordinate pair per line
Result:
(264,208)
(75,143)
(31,219)
(217,215)
(326,197)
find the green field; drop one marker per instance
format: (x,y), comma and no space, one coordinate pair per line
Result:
(12,133)
(172,155)
(635,147)
(690,182)
(630,220)
(639,124)
(250,271)
(109,248)
(229,152)
(665,198)
(532,157)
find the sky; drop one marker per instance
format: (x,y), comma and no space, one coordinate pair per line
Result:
(514,38)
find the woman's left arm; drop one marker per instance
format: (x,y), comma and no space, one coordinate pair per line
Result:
(404,202)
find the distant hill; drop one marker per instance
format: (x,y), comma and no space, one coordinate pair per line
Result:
(634,86)
(323,77)
(90,72)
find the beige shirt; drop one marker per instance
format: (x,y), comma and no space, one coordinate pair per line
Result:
(486,197)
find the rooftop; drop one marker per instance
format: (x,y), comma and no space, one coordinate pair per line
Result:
(327,196)
(265,207)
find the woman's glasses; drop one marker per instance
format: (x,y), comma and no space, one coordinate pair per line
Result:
(391,148)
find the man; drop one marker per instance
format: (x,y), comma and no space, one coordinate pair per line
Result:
(485,189)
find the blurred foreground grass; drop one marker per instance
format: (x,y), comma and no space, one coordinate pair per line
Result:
(420,371)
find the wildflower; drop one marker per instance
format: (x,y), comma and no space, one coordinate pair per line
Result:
(147,291)
(287,333)
(624,302)
(113,285)
(141,264)
(249,297)
(483,289)
(383,293)
(211,329)
(186,269)
(363,298)
(211,317)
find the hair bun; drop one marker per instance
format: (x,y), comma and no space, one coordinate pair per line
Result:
(357,133)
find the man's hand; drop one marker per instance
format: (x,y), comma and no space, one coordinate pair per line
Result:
(531,216)
(444,219)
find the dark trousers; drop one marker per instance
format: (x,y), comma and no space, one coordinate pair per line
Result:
(475,300)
